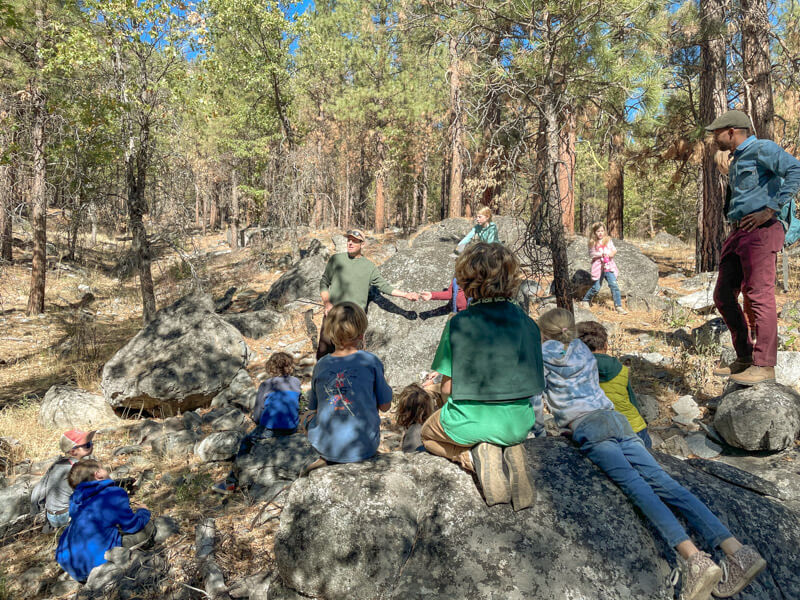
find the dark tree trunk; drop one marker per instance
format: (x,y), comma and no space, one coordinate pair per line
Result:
(38,200)
(713,102)
(234,210)
(552,201)
(136,180)
(7,176)
(757,68)
(616,188)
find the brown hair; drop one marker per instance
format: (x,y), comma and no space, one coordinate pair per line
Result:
(486,212)
(558,324)
(280,364)
(592,231)
(414,405)
(345,323)
(83,470)
(593,334)
(488,271)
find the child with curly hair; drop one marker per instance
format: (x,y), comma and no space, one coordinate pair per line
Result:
(414,406)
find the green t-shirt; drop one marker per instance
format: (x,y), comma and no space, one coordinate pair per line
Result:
(485,419)
(349,279)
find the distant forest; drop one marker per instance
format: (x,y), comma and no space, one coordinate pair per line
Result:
(161,118)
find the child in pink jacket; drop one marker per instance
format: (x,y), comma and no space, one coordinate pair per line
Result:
(602,251)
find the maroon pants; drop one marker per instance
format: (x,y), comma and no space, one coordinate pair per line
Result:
(747,266)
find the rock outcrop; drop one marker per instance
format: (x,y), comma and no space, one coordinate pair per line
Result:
(179,361)
(66,407)
(415,526)
(302,280)
(761,417)
(637,273)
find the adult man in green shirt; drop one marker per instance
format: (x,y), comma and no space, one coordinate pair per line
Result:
(347,278)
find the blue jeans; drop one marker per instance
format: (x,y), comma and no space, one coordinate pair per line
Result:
(608,440)
(612,283)
(645,437)
(58,520)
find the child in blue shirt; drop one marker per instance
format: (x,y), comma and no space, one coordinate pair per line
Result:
(100,513)
(276,411)
(573,394)
(348,389)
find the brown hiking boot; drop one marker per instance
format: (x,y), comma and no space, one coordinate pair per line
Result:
(737,366)
(738,571)
(487,459)
(755,374)
(523,492)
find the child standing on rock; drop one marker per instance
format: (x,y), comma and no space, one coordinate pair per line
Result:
(602,251)
(348,389)
(490,358)
(576,401)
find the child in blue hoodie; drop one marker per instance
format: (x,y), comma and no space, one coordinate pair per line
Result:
(100,513)
(573,394)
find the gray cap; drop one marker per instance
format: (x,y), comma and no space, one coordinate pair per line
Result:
(733,118)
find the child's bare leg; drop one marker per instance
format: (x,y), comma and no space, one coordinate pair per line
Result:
(320,462)
(687,549)
(730,546)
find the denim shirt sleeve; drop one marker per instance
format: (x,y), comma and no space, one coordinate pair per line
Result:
(774,158)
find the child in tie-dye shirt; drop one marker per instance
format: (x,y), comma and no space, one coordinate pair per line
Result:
(348,389)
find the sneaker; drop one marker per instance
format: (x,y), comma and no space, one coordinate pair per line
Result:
(621,310)
(737,366)
(700,574)
(487,459)
(754,374)
(523,492)
(224,487)
(738,571)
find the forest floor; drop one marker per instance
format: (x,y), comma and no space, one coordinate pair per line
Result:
(69,345)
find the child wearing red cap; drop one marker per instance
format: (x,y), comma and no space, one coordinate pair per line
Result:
(52,493)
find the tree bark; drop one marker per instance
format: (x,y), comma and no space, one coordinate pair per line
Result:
(616,188)
(556,238)
(758,102)
(7,176)
(424,208)
(38,190)
(713,102)
(380,201)
(234,210)
(456,133)
(566,171)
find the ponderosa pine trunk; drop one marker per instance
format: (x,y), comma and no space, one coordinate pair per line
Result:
(566,171)
(456,133)
(234,210)
(38,189)
(7,176)
(552,200)
(713,102)
(758,102)
(615,186)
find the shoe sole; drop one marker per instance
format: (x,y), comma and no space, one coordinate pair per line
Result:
(523,494)
(751,573)
(749,383)
(711,578)
(488,460)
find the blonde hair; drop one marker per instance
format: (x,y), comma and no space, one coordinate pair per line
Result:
(486,212)
(345,323)
(559,325)
(414,405)
(592,231)
(488,271)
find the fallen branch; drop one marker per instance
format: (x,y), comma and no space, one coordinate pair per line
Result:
(213,579)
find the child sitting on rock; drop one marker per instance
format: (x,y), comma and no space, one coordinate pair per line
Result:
(275,413)
(490,358)
(100,512)
(348,389)
(577,402)
(52,492)
(614,378)
(414,406)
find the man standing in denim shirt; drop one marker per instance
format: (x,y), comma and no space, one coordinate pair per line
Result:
(761,179)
